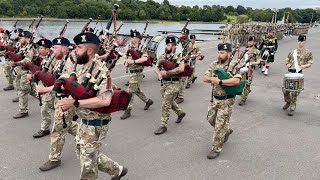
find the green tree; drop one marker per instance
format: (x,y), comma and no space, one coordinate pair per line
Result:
(242,19)
(240,10)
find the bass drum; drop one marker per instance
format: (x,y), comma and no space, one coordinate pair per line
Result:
(157,46)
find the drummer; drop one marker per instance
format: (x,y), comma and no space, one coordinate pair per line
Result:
(303,60)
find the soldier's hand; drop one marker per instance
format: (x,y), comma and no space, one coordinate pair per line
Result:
(288,65)
(130,61)
(29,77)
(66,103)
(160,76)
(215,80)
(40,89)
(163,73)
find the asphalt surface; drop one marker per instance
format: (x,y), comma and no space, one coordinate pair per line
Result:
(265,144)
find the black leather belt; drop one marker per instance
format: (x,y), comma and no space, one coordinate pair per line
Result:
(171,79)
(136,71)
(292,70)
(95,122)
(224,97)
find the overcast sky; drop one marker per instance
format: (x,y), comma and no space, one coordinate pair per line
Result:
(251,3)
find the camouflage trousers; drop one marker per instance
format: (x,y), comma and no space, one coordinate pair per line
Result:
(219,113)
(182,87)
(193,65)
(291,97)
(18,78)
(224,38)
(58,133)
(169,92)
(23,92)
(246,90)
(134,87)
(89,140)
(235,40)
(8,71)
(47,109)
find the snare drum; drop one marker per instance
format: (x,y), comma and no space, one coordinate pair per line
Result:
(293,82)
(157,46)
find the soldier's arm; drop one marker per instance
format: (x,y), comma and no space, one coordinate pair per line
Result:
(103,100)
(176,70)
(288,60)
(207,78)
(309,62)
(232,81)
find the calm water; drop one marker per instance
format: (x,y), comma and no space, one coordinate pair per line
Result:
(51,29)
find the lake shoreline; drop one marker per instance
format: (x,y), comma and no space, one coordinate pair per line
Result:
(124,21)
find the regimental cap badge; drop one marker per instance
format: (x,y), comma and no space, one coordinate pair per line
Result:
(59,41)
(83,38)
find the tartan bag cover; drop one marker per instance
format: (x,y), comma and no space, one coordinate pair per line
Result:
(120,99)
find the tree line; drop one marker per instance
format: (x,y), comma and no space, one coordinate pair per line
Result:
(146,10)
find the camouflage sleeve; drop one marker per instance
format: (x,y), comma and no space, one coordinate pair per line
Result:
(209,71)
(289,59)
(310,58)
(258,56)
(103,85)
(178,58)
(67,69)
(145,54)
(29,56)
(198,49)
(234,66)
(162,56)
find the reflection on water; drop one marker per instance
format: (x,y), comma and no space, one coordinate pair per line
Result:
(51,29)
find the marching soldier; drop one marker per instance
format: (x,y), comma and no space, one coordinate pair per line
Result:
(171,84)
(63,123)
(93,125)
(184,42)
(254,54)
(304,60)
(135,69)
(220,107)
(47,99)
(23,85)
(196,54)
(225,34)
(7,69)
(269,43)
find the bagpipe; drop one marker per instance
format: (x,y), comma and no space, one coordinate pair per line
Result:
(90,86)
(222,74)
(43,74)
(34,65)
(46,77)
(183,38)
(142,48)
(169,65)
(16,57)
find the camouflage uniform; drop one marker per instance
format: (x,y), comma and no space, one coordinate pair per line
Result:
(248,76)
(7,69)
(58,133)
(24,84)
(219,111)
(89,137)
(136,77)
(183,79)
(193,60)
(47,100)
(169,92)
(304,57)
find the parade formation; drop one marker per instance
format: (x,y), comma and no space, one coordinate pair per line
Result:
(72,79)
